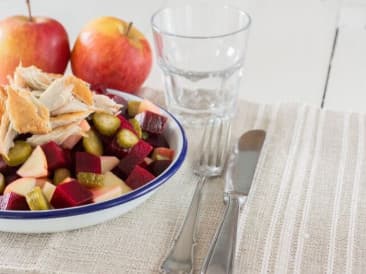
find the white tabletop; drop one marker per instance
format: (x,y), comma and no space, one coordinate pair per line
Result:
(290,48)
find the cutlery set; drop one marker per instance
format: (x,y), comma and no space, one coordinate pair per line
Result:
(239,170)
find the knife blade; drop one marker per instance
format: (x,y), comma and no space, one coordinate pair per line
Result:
(238,180)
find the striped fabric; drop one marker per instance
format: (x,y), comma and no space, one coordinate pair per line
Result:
(306,212)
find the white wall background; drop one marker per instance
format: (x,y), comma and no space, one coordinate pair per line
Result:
(289,47)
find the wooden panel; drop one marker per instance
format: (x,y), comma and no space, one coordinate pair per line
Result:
(347,82)
(289,50)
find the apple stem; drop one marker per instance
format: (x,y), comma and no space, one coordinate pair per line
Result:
(129,28)
(29,10)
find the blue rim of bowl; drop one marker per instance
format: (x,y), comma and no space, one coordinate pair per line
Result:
(91,208)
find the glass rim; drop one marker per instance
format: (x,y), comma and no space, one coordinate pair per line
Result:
(156,28)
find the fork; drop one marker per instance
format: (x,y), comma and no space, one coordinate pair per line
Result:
(213,149)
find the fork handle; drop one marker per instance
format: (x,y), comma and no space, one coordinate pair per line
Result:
(220,258)
(180,257)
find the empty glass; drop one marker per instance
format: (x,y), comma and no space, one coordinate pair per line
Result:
(200,49)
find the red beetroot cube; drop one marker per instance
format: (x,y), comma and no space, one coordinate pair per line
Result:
(138,177)
(157,140)
(125,123)
(55,155)
(135,157)
(13,201)
(157,167)
(152,122)
(86,162)
(114,149)
(11,177)
(71,194)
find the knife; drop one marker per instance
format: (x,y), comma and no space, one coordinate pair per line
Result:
(238,179)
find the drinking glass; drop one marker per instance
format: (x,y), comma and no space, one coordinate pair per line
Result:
(200,49)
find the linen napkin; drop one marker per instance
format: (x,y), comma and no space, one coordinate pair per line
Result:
(305,212)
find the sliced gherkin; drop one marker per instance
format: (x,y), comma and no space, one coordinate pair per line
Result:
(36,199)
(92,143)
(18,154)
(105,123)
(90,179)
(60,174)
(136,126)
(126,138)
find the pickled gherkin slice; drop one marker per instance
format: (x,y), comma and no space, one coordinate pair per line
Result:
(90,179)
(105,123)
(92,143)
(60,174)
(2,183)
(136,126)
(126,138)
(36,199)
(18,154)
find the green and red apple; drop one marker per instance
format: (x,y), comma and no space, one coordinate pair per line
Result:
(112,53)
(30,40)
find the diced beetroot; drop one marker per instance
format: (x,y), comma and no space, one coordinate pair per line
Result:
(138,177)
(55,155)
(152,122)
(157,167)
(114,149)
(118,99)
(13,201)
(71,194)
(125,123)
(86,162)
(157,140)
(135,157)
(119,173)
(11,177)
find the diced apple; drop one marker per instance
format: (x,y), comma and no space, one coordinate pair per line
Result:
(86,162)
(111,179)
(48,190)
(21,186)
(102,194)
(112,187)
(35,166)
(13,201)
(108,163)
(72,140)
(66,180)
(136,107)
(138,177)
(163,153)
(136,156)
(71,194)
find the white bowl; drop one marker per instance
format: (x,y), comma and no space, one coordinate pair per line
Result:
(77,217)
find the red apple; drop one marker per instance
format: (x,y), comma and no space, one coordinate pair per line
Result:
(38,41)
(110,52)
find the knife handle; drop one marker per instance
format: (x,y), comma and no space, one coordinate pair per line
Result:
(221,254)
